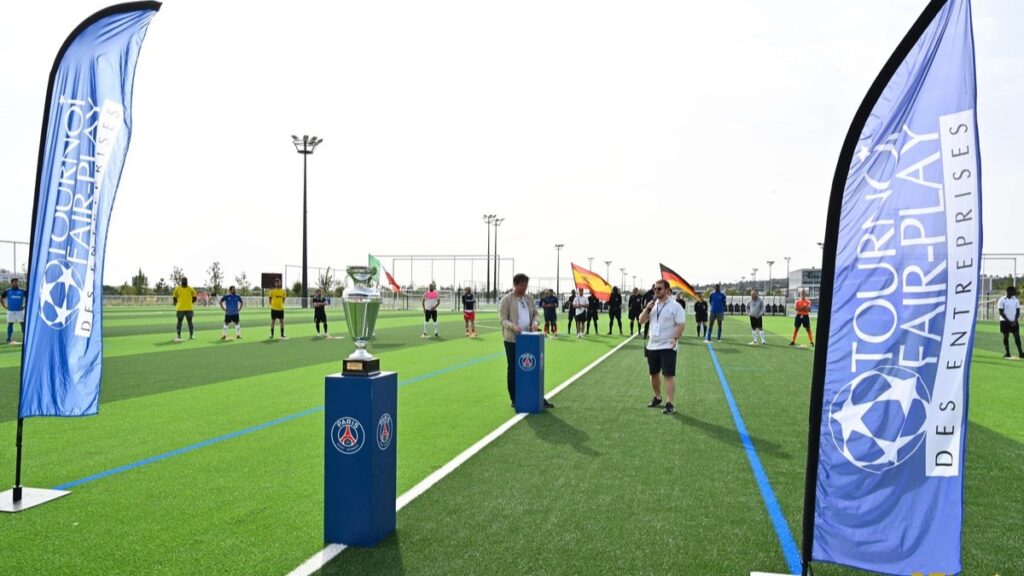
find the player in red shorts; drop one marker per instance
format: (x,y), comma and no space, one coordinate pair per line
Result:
(469,311)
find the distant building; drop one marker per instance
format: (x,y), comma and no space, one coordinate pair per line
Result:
(804,279)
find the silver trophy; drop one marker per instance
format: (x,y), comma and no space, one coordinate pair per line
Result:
(362,304)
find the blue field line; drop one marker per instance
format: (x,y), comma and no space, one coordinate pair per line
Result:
(251,429)
(786,541)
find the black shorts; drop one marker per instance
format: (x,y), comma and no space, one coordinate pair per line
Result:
(661,361)
(319,314)
(550,315)
(185,314)
(634,314)
(277,314)
(804,321)
(581,317)
(231,318)
(756,323)
(700,318)
(429,315)
(1008,328)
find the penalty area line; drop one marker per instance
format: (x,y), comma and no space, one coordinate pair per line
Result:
(321,558)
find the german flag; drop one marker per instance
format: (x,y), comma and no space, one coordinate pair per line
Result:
(587,280)
(676,281)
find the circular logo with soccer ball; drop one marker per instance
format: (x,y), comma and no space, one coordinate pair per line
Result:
(347,435)
(527,361)
(60,293)
(385,431)
(878,419)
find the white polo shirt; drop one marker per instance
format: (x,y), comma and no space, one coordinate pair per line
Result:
(1009,306)
(664,318)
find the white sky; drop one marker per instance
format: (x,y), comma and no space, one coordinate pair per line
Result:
(699,134)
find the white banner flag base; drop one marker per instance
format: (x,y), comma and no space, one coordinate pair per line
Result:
(29,497)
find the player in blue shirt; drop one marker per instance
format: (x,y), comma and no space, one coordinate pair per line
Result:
(550,305)
(717,311)
(13,300)
(231,304)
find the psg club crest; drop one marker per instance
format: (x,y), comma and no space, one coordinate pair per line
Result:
(385,431)
(527,361)
(347,435)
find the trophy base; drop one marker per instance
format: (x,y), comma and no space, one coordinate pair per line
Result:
(370,367)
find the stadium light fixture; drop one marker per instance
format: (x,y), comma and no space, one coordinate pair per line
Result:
(590,263)
(623,283)
(305,146)
(786,258)
(607,269)
(770,263)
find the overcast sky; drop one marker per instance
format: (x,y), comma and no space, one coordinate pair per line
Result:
(699,134)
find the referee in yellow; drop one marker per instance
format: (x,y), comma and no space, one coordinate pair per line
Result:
(277,296)
(184,297)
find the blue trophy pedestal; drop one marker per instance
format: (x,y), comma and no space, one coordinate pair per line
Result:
(530,372)
(360,421)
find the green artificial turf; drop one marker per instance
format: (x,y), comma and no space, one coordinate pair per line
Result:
(600,484)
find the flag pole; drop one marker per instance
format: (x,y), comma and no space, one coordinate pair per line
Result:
(828,268)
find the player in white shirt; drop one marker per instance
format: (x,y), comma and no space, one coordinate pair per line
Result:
(1009,320)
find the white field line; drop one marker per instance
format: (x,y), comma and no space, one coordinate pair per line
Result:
(321,558)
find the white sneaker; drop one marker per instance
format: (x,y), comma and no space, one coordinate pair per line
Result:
(752,343)
(178,339)
(424,335)
(283,337)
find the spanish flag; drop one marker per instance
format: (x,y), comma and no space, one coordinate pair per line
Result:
(676,281)
(587,280)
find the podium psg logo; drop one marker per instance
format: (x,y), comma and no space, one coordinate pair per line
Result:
(385,431)
(527,361)
(347,435)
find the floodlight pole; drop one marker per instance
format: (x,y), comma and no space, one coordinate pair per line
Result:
(770,263)
(488,219)
(497,259)
(305,146)
(607,269)
(786,258)
(558,266)
(623,272)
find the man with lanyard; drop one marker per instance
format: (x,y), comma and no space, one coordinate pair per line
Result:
(1009,321)
(717,301)
(469,311)
(755,309)
(13,300)
(667,321)
(231,304)
(277,296)
(184,298)
(320,312)
(550,305)
(803,318)
(518,315)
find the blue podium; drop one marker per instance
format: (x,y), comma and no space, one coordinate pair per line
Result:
(530,372)
(361,420)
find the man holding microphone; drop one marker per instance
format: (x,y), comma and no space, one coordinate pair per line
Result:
(667,322)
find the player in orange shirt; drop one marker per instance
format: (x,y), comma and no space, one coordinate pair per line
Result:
(803,318)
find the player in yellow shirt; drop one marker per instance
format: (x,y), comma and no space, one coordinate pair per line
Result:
(277,296)
(184,297)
